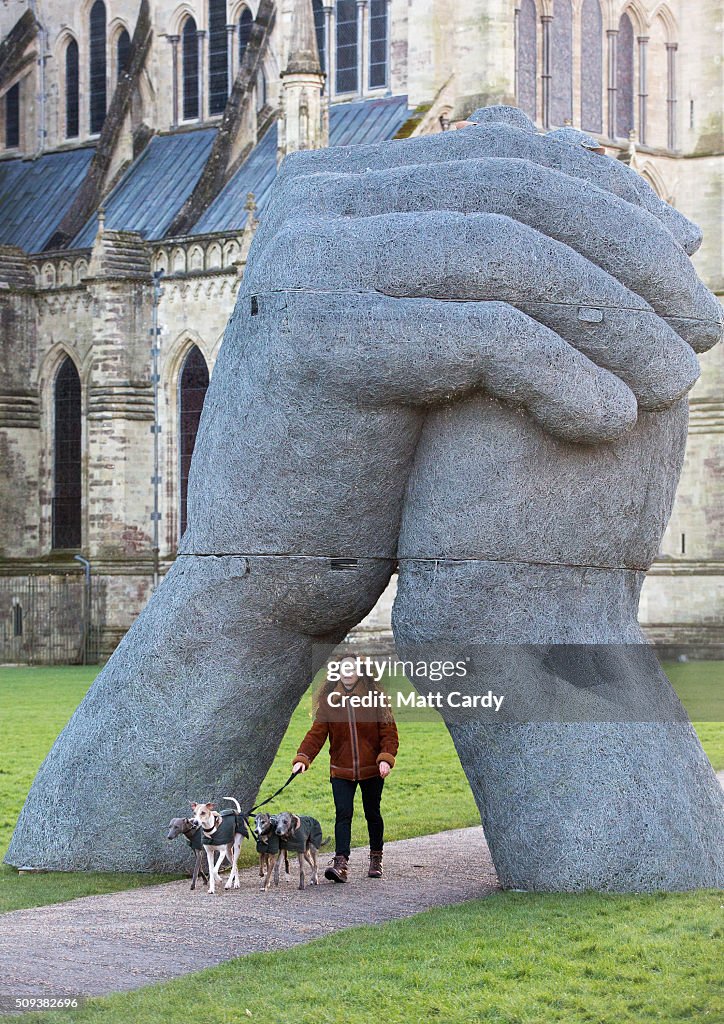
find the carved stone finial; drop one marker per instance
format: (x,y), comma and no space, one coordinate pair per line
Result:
(303,51)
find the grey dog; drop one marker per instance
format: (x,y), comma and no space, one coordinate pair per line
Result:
(301,834)
(269,848)
(193,835)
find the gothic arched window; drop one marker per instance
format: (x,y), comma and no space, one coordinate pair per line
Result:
(123,53)
(346,47)
(562,63)
(527,58)
(378,44)
(67,457)
(190,70)
(245,22)
(591,66)
(12,117)
(72,94)
(625,78)
(320,28)
(97,66)
(218,57)
(193,384)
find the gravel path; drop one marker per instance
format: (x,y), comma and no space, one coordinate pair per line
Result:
(125,940)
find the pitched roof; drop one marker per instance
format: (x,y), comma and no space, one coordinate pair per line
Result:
(155,186)
(350,124)
(36,194)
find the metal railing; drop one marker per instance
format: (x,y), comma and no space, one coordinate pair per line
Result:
(50,620)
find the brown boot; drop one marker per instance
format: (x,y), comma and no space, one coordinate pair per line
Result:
(375,870)
(337,870)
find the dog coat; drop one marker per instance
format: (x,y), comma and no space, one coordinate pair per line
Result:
(309,831)
(230,824)
(268,843)
(196,841)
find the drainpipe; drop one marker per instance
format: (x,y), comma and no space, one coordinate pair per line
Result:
(156,427)
(86,604)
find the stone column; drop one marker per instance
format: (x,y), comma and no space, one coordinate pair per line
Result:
(545,22)
(331,51)
(362,64)
(119,536)
(20,420)
(516,64)
(643,88)
(612,37)
(200,36)
(174,41)
(671,49)
(230,57)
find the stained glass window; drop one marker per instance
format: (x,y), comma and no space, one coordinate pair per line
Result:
(245,22)
(72,94)
(123,53)
(190,70)
(12,117)
(321,32)
(97,66)
(192,390)
(218,57)
(378,44)
(347,75)
(67,458)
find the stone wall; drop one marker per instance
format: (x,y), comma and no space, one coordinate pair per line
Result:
(96,306)
(75,304)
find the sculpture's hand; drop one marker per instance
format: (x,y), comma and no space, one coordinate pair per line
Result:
(536,550)
(498,217)
(383,283)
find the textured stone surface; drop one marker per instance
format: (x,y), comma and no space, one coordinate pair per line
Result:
(412,365)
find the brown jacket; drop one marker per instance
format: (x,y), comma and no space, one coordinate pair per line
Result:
(359,738)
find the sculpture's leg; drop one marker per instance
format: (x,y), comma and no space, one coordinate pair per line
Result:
(612,792)
(192,706)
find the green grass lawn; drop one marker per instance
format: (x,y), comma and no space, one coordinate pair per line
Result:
(427,791)
(508,959)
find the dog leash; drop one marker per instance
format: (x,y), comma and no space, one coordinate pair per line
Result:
(269,799)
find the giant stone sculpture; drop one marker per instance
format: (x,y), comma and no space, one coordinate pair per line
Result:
(467,354)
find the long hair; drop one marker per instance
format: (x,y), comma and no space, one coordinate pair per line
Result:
(383,714)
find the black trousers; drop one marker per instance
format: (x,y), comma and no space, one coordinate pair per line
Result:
(343,791)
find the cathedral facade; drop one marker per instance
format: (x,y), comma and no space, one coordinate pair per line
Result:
(138,143)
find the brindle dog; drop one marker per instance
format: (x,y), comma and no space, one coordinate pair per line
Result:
(269,849)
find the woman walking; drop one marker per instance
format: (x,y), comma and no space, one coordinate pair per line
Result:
(362,747)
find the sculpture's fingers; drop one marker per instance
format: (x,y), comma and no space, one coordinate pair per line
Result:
(432,351)
(495,140)
(626,241)
(486,257)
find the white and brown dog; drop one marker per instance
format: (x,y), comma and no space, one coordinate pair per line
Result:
(222,832)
